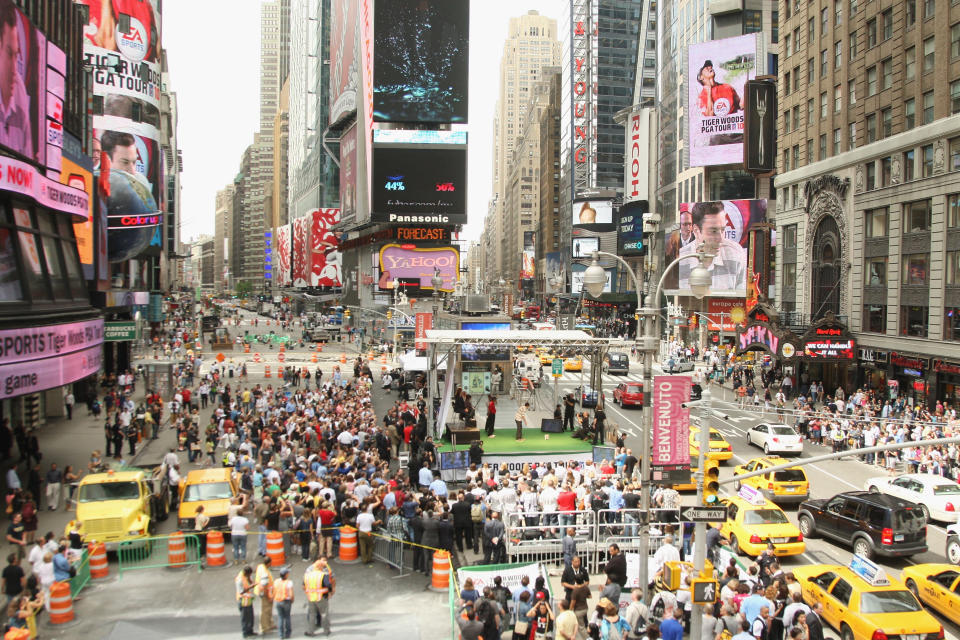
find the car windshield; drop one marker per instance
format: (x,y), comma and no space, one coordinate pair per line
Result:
(618,358)
(716,437)
(946,489)
(909,519)
(789,475)
(634,388)
(764,516)
(207,491)
(783,431)
(109,491)
(888,602)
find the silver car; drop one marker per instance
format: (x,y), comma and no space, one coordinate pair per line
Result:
(678,366)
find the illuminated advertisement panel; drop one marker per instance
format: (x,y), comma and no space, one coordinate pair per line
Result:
(344,67)
(419,265)
(300,251)
(23,92)
(325,263)
(718,71)
(592,214)
(348,174)
(421,58)
(282,262)
(419,184)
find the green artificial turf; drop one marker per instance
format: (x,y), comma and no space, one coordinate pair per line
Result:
(533,442)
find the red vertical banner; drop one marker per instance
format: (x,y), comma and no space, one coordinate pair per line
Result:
(671,426)
(424,322)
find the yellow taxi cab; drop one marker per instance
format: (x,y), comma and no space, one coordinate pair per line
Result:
(783,486)
(753,521)
(720,449)
(573,364)
(863,603)
(546,357)
(212,488)
(936,585)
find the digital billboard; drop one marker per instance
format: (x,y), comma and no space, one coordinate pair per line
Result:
(281,264)
(348,174)
(324,249)
(592,214)
(717,73)
(23,75)
(556,273)
(720,228)
(76,171)
(528,257)
(576,278)
(344,59)
(300,251)
(630,229)
(417,266)
(583,247)
(760,129)
(419,184)
(421,59)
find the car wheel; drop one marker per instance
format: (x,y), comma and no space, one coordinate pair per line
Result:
(766,448)
(846,633)
(913,587)
(736,485)
(807,528)
(736,545)
(873,489)
(152,528)
(925,511)
(861,547)
(953,550)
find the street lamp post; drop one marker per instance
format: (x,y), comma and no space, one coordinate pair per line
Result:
(594,279)
(437,282)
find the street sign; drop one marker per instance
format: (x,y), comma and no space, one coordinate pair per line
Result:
(703,514)
(566,322)
(557,367)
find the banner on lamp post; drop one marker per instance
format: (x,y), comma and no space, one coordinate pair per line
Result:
(670,451)
(424,322)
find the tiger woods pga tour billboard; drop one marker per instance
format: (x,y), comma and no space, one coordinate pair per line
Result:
(718,72)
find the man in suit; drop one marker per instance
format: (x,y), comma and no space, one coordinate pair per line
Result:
(815,622)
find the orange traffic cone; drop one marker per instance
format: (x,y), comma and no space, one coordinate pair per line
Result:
(343,358)
(313,358)
(383,359)
(266,371)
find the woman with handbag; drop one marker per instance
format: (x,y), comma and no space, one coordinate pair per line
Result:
(521,627)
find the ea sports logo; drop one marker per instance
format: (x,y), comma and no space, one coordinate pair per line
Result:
(133,44)
(721,106)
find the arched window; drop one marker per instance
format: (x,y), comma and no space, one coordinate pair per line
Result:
(827,254)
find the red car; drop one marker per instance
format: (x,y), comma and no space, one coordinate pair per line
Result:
(629,394)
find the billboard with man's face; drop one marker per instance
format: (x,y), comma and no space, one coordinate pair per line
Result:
(717,73)
(23,75)
(719,228)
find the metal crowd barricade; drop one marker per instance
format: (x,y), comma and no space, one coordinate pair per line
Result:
(154,552)
(80,580)
(392,551)
(622,527)
(537,537)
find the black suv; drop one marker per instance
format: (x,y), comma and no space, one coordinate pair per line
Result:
(872,523)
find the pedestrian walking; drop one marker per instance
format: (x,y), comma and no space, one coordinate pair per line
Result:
(283,596)
(54,482)
(264,590)
(520,418)
(68,402)
(319,584)
(244,586)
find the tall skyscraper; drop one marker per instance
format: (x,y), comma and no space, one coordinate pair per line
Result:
(274,57)
(531,45)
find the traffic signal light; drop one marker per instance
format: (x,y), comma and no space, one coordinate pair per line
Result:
(671,575)
(389,314)
(703,591)
(711,482)
(693,321)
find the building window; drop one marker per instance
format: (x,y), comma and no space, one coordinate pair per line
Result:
(908,165)
(929,52)
(823,146)
(787,45)
(796,156)
(871,128)
(836,142)
(929,7)
(913,321)
(871,33)
(926,157)
(837,54)
(823,104)
(885,171)
(952,275)
(810,111)
(853,7)
(955,41)
(886,73)
(809,151)
(786,84)
(790,274)
(838,14)
(837,99)
(874,318)
(915,269)
(953,212)
(811,31)
(790,237)
(928,107)
(752,21)
(911,12)
(823,63)
(871,176)
(786,160)
(852,91)
(853,44)
(774,26)
(955,97)
(872,81)
(852,135)
(796,118)
(875,272)
(910,63)
(886,122)
(954,154)
(875,222)
(786,121)
(824,21)
(887,21)
(796,78)
(951,323)
(916,216)
(909,114)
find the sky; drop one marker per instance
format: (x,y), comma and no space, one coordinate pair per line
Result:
(215,74)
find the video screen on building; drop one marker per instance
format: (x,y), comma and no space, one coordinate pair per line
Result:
(420,61)
(23,75)
(419,184)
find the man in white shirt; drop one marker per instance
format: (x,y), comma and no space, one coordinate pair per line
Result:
(365,524)
(238,534)
(666,553)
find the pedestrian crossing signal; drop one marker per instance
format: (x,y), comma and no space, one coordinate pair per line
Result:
(704,591)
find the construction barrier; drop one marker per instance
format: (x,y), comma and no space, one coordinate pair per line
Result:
(440,573)
(154,552)
(98,560)
(275,549)
(313,358)
(383,359)
(266,371)
(281,356)
(320,348)
(246,348)
(61,603)
(16,633)
(348,546)
(79,581)
(216,555)
(343,358)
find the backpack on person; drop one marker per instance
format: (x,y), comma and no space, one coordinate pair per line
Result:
(614,630)
(640,626)
(476,512)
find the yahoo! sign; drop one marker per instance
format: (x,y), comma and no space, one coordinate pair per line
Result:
(420,263)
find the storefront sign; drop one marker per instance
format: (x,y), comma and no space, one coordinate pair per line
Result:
(945,367)
(867,354)
(916,373)
(900,360)
(757,335)
(120,331)
(25,377)
(722,313)
(129,222)
(20,177)
(37,343)
(516,462)
(424,322)
(841,349)
(420,264)
(671,422)
(127,298)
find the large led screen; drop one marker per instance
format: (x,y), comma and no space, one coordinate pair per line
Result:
(718,71)
(23,72)
(421,58)
(419,184)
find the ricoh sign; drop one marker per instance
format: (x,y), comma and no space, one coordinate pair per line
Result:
(635,153)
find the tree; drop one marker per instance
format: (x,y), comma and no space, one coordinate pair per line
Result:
(244,288)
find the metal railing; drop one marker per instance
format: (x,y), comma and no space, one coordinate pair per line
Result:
(154,552)
(80,580)
(622,527)
(393,552)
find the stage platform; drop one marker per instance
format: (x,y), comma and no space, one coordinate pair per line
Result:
(535,448)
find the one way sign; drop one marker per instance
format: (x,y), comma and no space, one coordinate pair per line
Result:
(703,514)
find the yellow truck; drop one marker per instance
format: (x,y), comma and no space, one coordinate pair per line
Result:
(117,506)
